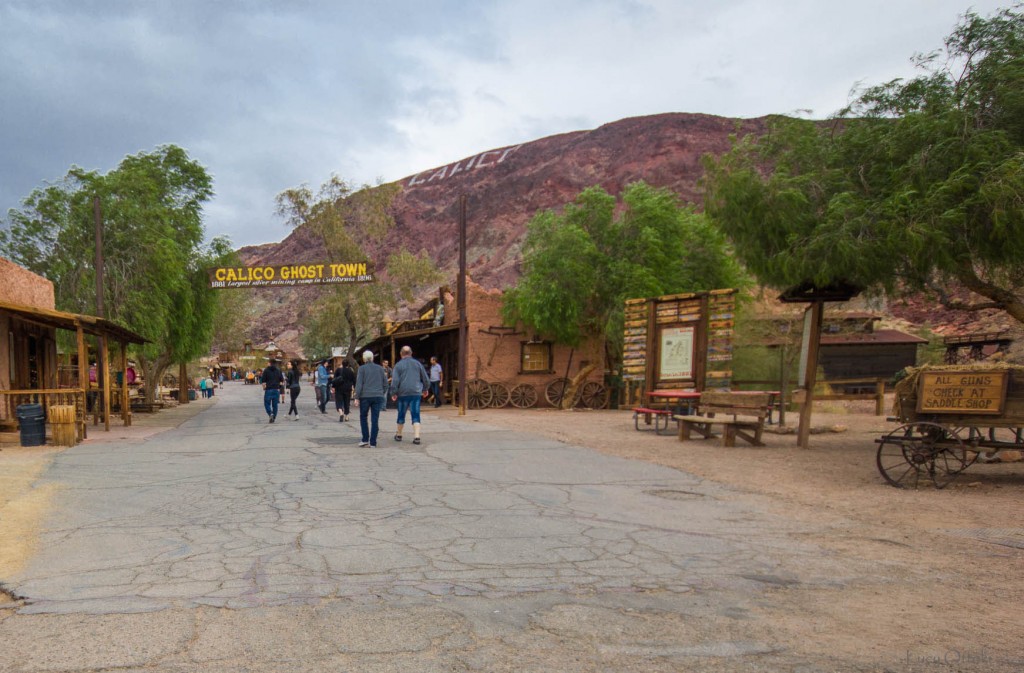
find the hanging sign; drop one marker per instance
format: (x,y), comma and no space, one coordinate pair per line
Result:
(962,392)
(290,275)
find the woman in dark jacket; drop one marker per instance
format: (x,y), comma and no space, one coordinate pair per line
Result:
(344,380)
(291,380)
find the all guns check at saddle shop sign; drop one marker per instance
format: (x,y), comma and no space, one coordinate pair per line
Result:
(290,275)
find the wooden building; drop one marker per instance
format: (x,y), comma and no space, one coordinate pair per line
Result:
(28,352)
(507,365)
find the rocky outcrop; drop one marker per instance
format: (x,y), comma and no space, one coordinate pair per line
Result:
(505,187)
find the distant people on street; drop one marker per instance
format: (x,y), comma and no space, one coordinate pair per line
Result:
(371,389)
(272,379)
(409,381)
(343,382)
(292,378)
(435,380)
(209,386)
(202,388)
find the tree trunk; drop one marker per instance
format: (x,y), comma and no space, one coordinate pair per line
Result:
(1001,297)
(569,398)
(153,373)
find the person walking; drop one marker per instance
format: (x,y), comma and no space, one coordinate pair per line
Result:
(292,379)
(371,388)
(202,387)
(409,380)
(323,379)
(209,386)
(435,380)
(272,381)
(343,382)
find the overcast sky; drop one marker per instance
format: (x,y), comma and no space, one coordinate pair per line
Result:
(273,94)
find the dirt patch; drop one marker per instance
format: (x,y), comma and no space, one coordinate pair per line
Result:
(23,504)
(942,585)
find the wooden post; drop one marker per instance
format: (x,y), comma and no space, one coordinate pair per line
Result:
(104,376)
(183,383)
(809,368)
(83,376)
(783,382)
(126,410)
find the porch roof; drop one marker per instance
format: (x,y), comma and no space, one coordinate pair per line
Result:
(70,321)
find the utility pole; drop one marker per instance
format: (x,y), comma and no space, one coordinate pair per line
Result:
(463,318)
(103,363)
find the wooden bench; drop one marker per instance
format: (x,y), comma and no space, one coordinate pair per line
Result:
(649,414)
(740,415)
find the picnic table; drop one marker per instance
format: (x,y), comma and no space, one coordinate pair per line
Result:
(662,405)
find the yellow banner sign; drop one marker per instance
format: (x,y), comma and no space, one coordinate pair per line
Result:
(962,392)
(222,278)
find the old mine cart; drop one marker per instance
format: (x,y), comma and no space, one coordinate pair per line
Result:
(951,417)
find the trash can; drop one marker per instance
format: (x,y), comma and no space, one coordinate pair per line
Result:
(32,422)
(191,395)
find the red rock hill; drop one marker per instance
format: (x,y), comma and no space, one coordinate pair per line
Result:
(506,186)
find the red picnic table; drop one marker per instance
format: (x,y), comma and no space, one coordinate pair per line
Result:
(662,404)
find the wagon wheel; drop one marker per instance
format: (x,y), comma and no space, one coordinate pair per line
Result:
(917,450)
(555,390)
(478,394)
(500,395)
(524,396)
(594,395)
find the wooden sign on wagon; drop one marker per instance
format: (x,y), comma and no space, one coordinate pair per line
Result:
(966,392)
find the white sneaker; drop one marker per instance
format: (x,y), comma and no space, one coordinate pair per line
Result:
(364,443)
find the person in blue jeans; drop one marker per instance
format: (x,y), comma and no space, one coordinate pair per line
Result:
(371,388)
(273,379)
(323,379)
(409,380)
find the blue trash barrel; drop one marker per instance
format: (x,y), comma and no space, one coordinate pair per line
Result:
(32,422)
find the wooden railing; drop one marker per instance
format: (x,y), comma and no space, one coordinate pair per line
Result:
(10,400)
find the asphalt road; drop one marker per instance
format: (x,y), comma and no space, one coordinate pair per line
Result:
(230,544)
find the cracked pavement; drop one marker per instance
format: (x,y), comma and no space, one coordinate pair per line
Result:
(231,544)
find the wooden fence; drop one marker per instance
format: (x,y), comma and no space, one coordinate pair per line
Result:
(10,400)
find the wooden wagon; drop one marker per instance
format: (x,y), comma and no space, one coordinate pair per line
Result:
(951,417)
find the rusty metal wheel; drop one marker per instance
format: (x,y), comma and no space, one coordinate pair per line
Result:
(478,394)
(921,450)
(555,390)
(594,395)
(500,395)
(523,396)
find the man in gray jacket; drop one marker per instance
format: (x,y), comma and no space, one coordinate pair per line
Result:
(408,381)
(371,390)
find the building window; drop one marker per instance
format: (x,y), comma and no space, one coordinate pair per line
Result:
(535,357)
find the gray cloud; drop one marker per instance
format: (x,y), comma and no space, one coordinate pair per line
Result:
(269,95)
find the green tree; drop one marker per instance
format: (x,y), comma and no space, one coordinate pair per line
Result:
(342,217)
(581,264)
(154,255)
(916,185)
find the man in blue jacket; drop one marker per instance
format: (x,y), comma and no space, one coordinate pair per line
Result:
(408,381)
(323,379)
